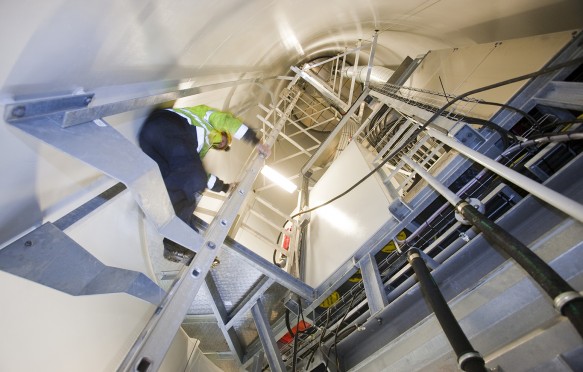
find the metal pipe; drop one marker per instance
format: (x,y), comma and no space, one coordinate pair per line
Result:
(351,92)
(438,186)
(567,301)
(379,75)
(468,358)
(323,88)
(562,203)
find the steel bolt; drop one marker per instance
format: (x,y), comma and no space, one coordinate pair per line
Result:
(223,223)
(195,272)
(28,243)
(211,245)
(380,321)
(18,111)
(88,100)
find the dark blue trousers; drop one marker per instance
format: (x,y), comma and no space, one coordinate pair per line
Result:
(168,139)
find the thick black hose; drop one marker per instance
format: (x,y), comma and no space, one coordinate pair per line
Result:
(547,278)
(454,333)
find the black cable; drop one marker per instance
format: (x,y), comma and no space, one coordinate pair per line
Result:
(544,275)
(504,134)
(319,344)
(287,323)
(277,243)
(336,335)
(451,327)
(297,335)
(436,115)
(524,114)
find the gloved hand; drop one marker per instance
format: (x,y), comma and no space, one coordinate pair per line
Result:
(263,149)
(232,187)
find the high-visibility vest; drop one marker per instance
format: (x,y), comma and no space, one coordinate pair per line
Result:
(209,124)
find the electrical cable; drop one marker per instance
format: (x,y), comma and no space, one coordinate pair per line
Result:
(550,134)
(435,116)
(558,137)
(287,323)
(524,114)
(504,134)
(297,335)
(322,335)
(336,335)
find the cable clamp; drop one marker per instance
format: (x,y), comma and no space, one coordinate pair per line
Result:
(461,205)
(467,356)
(412,255)
(476,203)
(564,298)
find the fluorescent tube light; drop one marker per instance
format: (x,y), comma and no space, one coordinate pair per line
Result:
(278,179)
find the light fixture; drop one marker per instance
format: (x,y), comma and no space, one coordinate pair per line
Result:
(278,179)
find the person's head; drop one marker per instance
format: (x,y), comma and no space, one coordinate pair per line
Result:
(221,141)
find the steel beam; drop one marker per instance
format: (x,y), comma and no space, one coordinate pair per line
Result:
(249,301)
(267,268)
(266,336)
(220,312)
(49,257)
(353,80)
(373,284)
(562,94)
(101,146)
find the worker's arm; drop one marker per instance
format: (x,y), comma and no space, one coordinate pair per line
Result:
(225,121)
(215,184)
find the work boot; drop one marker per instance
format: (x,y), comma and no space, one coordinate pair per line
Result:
(174,252)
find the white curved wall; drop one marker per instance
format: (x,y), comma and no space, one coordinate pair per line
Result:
(126,48)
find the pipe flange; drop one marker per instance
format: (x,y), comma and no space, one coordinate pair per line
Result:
(467,356)
(476,203)
(564,298)
(412,256)
(461,205)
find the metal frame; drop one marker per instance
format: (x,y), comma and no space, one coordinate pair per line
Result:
(266,336)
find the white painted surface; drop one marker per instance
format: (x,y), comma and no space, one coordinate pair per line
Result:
(340,228)
(120,49)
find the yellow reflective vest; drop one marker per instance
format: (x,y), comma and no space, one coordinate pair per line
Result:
(209,123)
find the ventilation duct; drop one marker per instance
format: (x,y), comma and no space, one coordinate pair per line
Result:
(378,75)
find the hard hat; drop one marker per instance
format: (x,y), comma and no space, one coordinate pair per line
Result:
(216,139)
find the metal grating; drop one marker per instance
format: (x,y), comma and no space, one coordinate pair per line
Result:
(206,330)
(233,279)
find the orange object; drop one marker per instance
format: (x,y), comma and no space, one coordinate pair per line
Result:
(287,338)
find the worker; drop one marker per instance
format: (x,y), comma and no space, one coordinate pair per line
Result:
(178,139)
